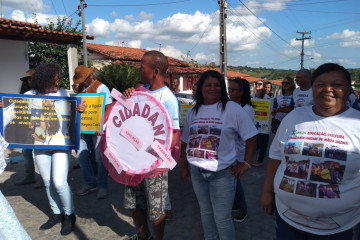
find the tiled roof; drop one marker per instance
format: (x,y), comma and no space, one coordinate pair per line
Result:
(23,31)
(133,55)
(117,53)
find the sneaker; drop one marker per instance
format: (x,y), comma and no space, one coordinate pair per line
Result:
(257,164)
(52,221)
(86,189)
(137,237)
(240,216)
(102,193)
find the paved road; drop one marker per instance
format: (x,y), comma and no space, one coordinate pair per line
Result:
(107,219)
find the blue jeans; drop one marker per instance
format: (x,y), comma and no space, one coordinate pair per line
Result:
(215,193)
(284,231)
(28,158)
(239,200)
(54,167)
(87,147)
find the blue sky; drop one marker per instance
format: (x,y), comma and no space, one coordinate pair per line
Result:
(260,33)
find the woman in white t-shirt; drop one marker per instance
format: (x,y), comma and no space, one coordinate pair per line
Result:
(313,170)
(239,92)
(283,103)
(210,135)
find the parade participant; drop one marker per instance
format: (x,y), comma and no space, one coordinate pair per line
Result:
(262,138)
(283,103)
(175,85)
(268,89)
(154,189)
(239,92)
(84,77)
(54,164)
(213,167)
(303,94)
(312,205)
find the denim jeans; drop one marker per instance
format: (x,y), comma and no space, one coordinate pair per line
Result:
(284,231)
(54,167)
(239,200)
(87,147)
(28,157)
(215,193)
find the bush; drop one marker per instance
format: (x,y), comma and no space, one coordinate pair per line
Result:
(120,76)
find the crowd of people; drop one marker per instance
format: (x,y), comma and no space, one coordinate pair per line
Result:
(312,183)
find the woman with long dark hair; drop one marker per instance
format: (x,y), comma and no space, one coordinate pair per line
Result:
(211,133)
(239,92)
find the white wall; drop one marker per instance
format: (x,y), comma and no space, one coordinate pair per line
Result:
(13,65)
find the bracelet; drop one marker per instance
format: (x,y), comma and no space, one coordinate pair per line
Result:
(247,164)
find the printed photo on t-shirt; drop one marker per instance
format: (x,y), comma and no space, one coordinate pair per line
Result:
(193,130)
(190,153)
(194,142)
(199,153)
(210,143)
(313,149)
(329,191)
(327,171)
(292,148)
(211,155)
(335,153)
(214,130)
(203,129)
(306,189)
(297,169)
(287,184)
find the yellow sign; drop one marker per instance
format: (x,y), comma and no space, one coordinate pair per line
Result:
(92,117)
(262,109)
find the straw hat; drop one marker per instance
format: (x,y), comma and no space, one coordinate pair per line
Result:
(28,74)
(82,73)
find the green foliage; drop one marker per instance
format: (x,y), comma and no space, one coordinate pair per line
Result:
(49,52)
(120,76)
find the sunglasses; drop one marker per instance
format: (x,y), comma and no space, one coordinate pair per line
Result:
(285,83)
(258,84)
(233,90)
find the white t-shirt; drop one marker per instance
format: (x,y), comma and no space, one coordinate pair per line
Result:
(317,184)
(212,135)
(60,93)
(280,102)
(240,147)
(303,98)
(255,97)
(104,89)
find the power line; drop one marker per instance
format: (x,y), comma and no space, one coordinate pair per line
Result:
(54,7)
(64,7)
(136,5)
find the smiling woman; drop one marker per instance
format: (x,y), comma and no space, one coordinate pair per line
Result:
(314,164)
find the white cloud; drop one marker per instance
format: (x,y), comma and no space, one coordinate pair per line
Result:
(18,15)
(348,38)
(113,14)
(98,27)
(145,16)
(347,61)
(134,44)
(30,5)
(297,43)
(203,58)
(129,17)
(170,51)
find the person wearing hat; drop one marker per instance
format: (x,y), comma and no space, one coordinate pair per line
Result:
(85,79)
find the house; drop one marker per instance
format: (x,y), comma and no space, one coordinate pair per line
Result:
(186,73)
(14,61)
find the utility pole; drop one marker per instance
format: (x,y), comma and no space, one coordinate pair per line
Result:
(302,46)
(187,55)
(223,57)
(82,14)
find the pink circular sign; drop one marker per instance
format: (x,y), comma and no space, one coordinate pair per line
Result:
(138,132)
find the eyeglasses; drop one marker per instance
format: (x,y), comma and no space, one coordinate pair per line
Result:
(258,84)
(285,83)
(233,90)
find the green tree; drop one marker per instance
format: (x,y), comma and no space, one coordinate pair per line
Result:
(119,76)
(50,52)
